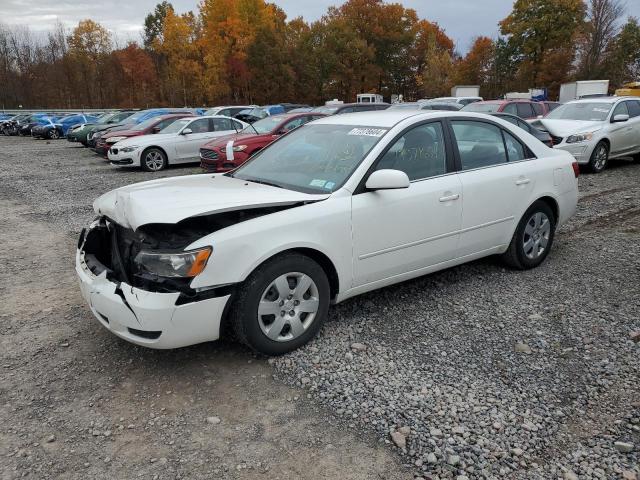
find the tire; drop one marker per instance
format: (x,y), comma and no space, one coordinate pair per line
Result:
(533,238)
(153,160)
(599,158)
(270,285)
(636,157)
(53,134)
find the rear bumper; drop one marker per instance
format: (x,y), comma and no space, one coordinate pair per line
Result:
(149,319)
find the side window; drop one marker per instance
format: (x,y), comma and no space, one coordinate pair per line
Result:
(515,150)
(524,125)
(222,124)
(295,123)
(524,110)
(225,113)
(634,108)
(165,123)
(199,126)
(420,153)
(238,125)
(510,108)
(346,110)
(621,109)
(382,107)
(537,108)
(480,144)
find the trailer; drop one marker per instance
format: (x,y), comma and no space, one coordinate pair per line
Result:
(369,98)
(465,91)
(583,89)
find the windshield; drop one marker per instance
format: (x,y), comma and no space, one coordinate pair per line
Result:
(315,158)
(105,118)
(146,124)
(264,126)
(481,107)
(176,126)
(405,106)
(138,115)
(589,111)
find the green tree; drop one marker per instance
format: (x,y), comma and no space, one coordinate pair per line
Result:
(623,59)
(154,23)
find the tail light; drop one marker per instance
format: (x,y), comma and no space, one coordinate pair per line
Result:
(576,169)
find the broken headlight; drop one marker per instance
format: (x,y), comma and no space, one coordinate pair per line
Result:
(182,265)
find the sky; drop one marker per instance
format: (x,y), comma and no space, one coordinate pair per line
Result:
(463,20)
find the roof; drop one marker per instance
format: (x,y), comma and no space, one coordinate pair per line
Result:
(376,118)
(600,99)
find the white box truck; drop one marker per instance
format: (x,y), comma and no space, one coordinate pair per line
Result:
(583,88)
(465,91)
(369,98)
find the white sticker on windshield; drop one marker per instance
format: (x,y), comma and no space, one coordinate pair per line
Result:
(329,185)
(317,183)
(601,110)
(368,132)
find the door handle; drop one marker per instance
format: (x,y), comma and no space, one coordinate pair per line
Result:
(523,181)
(450,198)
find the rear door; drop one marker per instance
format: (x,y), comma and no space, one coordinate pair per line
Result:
(498,180)
(634,123)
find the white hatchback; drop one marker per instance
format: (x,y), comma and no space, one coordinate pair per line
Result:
(178,143)
(335,208)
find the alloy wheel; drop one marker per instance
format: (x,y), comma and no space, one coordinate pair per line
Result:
(600,158)
(288,306)
(154,160)
(536,235)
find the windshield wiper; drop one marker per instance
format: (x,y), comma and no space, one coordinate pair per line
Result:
(263,182)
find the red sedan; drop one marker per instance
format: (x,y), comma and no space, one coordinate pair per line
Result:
(153,125)
(227,153)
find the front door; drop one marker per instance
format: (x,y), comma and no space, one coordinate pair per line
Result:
(400,231)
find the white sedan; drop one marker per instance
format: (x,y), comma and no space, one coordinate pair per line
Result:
(338,207)
(180,142)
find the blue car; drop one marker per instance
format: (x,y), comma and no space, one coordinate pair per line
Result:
(55,128)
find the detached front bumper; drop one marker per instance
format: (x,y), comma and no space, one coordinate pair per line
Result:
(150,319)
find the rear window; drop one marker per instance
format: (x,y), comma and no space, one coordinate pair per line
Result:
(525,110)
(481,107)
(537,108)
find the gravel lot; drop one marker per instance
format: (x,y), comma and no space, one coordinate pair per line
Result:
(475,372)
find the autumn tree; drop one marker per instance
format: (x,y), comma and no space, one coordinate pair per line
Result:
(138,74)
(542,33)
(599,31)
(478,67)
(432,61)
(154,23)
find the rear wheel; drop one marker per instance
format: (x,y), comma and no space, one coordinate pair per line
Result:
(153,160)
(599,158)
(282,304)
(533,237)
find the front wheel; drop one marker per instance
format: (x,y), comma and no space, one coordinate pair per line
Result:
(599,158)
(533,238)
(153,160)
(282,305)
(53,134)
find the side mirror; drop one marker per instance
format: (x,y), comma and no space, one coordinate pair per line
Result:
(155,130)
(621,117)
(187,131)
(387,180)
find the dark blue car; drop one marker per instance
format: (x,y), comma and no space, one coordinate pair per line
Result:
(58,128)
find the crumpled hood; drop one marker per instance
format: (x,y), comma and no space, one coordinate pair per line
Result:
(564,128)
(170,200)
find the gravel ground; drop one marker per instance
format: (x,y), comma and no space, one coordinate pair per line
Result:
(475,372)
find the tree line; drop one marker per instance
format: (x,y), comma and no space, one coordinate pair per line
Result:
(247,51)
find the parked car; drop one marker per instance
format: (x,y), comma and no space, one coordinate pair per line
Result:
(522,108)
(288,107)
(138,117)
(450,106)
(226,153)
(80,133)
(9,126)
(25,127)
(541,135)
(597,129)
(550,106)
(60,127)
(350,108)
(151,126)
(229,110)
(258,113)
(336,208)
(180,142)
(462,101)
